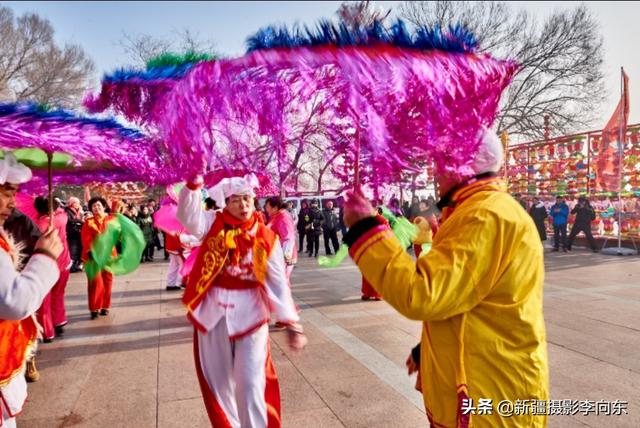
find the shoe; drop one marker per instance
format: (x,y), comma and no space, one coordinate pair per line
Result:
(568,249)
(364,297)
(564,250)
(554,250)
(31,374)
(173,288)
(315,255)
(59,330)
(595,250)
(183,286)
(277,327)
(47,340)
(329,254)
(104,312)
(94,315)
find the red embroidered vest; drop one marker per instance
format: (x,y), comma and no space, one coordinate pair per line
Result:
(213,256)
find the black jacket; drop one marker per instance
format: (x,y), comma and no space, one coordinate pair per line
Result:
(584,215)
(316,221)
(330,220)
(304,219)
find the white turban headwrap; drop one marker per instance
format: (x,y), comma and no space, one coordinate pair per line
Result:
(490,156)
(12,171)
(233,186)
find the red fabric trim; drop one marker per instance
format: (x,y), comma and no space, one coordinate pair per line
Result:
(6,406)
(217,417)
(463,421)
(250,330)
(364,238)
(370,243)
(229,282)
(272,392)
(195,323)
(194,186)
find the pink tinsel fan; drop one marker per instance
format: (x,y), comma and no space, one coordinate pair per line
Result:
(392,102)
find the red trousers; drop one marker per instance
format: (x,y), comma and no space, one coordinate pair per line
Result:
(100,291)
(52,312)
(368,290)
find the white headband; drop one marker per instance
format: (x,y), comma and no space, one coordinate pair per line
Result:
(233,186)
(11,171)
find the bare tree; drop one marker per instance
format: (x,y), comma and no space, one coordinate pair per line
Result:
(560,60)
(140,48)
(360,13)
(34,68)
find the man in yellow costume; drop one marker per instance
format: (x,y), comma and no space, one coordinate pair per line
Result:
(478,292)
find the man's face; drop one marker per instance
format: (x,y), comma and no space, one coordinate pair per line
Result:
(97,209)
(240,206)
(559,200)
(423,206)
(314,205)
(7,201)
(329,205)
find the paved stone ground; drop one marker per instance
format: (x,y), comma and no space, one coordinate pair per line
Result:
(135,367)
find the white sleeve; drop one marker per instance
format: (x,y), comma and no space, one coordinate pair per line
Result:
(278,288)
(187,239)
(288,247)
(191,215)
(21,294)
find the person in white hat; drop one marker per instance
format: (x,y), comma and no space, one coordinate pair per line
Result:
(478,293)
(22,290)
(238,279)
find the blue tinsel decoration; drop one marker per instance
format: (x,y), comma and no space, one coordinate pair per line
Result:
(457,39)
(156,73)
(38,112)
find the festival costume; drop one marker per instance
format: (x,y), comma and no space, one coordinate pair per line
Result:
(178,248)
(52,312)
(283,226)
(479,293)
(99,288)
(20,295)
(238,279)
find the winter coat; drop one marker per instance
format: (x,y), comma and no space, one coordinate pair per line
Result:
(539,215)
(330,220)
(560,213)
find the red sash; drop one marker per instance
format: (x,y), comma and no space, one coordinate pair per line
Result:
(16,339)
(227,242)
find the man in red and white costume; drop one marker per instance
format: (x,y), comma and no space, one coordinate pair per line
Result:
(21,293)
(178,245)
(238,279)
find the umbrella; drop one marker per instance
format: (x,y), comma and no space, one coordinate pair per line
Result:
(133,92)
(393,93)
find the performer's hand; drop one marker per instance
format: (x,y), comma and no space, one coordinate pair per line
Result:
(39,328)
(412,367)
(50,243)
(297,339)
(357,208)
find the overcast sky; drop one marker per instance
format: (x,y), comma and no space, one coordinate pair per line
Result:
(99,26)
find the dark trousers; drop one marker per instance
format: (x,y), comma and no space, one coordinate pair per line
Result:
(301,235)
(557,231)
(313,243)
(577,228)
(147,254)
(333,236)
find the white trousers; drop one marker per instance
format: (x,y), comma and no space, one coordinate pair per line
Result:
(173,275)
(235,372)
(7,420)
